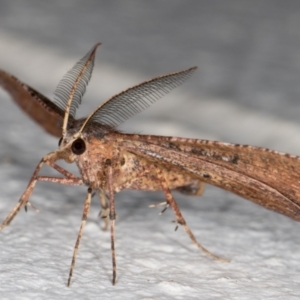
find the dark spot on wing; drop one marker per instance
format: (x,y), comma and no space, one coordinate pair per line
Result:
(235,159)
(205,175)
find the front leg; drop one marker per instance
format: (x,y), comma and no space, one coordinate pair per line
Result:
(24,200)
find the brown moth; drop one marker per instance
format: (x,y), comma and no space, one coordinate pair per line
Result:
(110,161)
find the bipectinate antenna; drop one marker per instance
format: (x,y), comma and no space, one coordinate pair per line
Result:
(71,88)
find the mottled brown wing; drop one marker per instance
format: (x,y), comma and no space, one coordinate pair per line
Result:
(266,177)
(42,110)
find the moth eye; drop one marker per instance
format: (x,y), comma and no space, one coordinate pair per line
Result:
(78,146)
(59,142)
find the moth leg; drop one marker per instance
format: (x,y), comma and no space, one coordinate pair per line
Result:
(24,198)
(195,188)
(65,181)
(179,218)
(112,217)
(61,170)
(166,204)
(103,214)
(70,179)
(86,209)
(158,204)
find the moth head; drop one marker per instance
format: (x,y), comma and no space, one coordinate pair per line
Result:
(69,150)
(73,143)
(76,141)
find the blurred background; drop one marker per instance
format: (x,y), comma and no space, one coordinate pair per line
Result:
(247,53)
(246,90)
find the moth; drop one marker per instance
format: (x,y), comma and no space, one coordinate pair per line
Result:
(110,161)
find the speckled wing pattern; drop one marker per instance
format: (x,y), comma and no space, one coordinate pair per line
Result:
(266,177)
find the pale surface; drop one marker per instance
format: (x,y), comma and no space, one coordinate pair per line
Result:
(246,91)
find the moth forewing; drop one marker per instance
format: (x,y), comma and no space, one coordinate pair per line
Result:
(47,114)
(268,178)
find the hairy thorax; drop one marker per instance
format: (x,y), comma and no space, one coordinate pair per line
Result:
(129,170)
